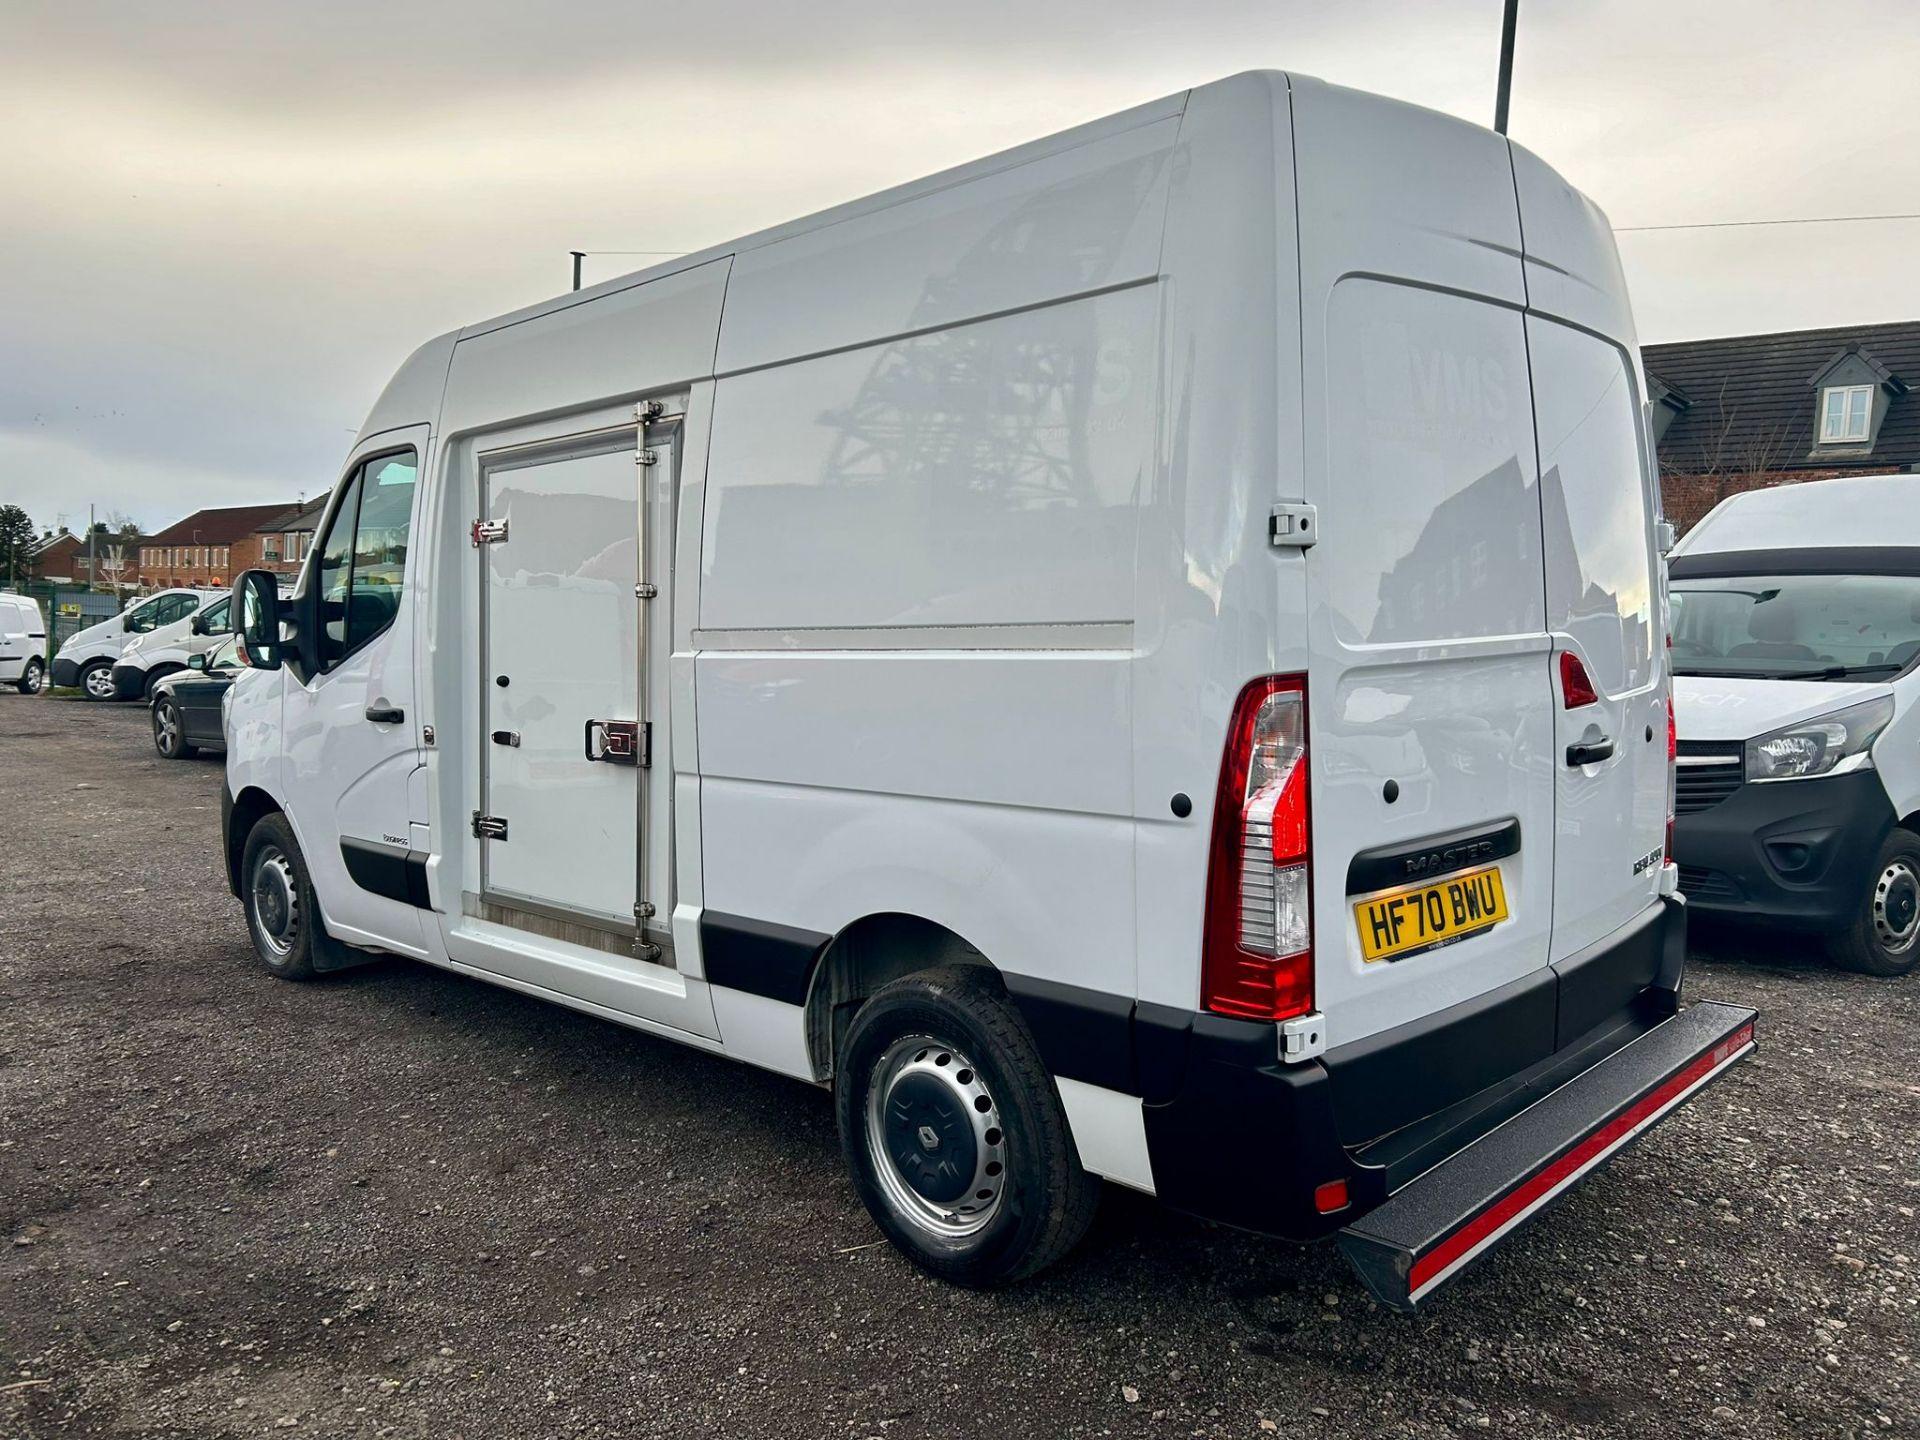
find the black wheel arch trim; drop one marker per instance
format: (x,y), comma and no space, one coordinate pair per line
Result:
(760,957)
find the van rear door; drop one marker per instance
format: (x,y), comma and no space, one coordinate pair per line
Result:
(1603,604)
(1430,707)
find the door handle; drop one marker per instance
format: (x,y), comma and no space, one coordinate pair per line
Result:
(386,714)
(1589,752)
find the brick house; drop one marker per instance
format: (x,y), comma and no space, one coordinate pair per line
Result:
(1747,411)
(62,559)
(284,541)
(208,548)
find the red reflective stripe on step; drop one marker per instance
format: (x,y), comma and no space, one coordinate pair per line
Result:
(1536,1188)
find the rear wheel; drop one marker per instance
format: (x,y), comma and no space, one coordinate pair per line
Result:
(33,679)
(1884,938)
(169,732)
(96,681)
(954,1134)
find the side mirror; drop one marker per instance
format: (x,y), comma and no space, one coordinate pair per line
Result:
(199,623)
(256,600)
(196,662)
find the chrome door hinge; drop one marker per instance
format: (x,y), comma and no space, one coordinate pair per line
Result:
(489,532)
(643,911)
(1302,1038)
(646,590)
(649,410)
(488,827)
(648,457)
(1293,526)
(426,735)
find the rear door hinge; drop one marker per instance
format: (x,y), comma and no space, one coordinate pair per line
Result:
(648,456)
(489,532)
(646,590)
(1293,526)
(1302,1038)
(488,827)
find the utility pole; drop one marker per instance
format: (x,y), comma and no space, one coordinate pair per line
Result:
(578,256)
(1506,67)
(93,574)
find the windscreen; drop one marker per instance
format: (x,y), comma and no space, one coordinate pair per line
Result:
(1815,627)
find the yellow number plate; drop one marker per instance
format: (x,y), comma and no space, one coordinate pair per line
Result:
(1409,921)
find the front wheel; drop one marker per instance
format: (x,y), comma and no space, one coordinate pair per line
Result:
(282,916)
(169,732)
(33,679)
(954,1134)
(1884,938)
(96,681)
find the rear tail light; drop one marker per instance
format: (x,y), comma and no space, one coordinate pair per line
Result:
(1258,950)
(1574,685)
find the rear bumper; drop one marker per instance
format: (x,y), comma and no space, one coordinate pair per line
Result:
(1792,853)
(1438,1225)
(1236,1136)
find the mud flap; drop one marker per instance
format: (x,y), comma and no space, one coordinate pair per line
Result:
(1432,1229)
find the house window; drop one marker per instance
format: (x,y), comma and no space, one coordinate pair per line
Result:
(1844,412)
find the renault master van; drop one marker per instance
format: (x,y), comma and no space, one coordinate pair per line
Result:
(86,659)
(23,644)
(1796,657)
(1138,658)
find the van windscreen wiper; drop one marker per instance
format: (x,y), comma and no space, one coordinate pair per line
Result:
(1839,672)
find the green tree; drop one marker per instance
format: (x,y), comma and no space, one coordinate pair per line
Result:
(16,543)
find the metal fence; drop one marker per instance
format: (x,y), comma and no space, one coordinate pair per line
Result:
(70,608)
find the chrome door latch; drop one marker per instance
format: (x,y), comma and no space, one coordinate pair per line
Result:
(620,742)
(488,827)
(1293,526)
(1302,1038)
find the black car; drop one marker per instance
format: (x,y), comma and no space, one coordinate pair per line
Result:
(186,703)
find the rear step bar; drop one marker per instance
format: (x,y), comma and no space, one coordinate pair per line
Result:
(1433,1228)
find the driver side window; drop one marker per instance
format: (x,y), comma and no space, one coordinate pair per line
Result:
(144,617)
(363,561)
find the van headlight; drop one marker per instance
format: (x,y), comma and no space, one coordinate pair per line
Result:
(1833,744)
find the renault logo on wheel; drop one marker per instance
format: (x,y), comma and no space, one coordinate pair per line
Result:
(929,1138)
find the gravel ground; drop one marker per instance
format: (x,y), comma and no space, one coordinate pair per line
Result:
(406,1203)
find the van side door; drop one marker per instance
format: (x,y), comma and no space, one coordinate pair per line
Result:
(350,733)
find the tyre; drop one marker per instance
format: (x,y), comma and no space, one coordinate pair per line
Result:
(169,733)
(96,681)
(34,678)
(282,917)
(954,1134)
(1884,938)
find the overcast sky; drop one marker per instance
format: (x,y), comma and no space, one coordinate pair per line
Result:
(225,222)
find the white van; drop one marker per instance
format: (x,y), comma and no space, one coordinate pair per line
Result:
(23,644)
(150,658)
(1100,656)
(86,659)
(1796,658)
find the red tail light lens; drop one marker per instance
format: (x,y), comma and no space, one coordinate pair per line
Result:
(1574,685)
(1258,949)
(1673,773)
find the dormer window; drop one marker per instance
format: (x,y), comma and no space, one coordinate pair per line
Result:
(1845,411)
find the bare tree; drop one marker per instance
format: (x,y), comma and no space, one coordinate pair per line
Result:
(1733,452)
(115,564)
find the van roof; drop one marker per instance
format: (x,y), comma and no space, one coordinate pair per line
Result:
(1864,510)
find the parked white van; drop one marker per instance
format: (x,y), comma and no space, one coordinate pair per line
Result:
(1100,656)
(23,644)
(1796,656)
(86,659)
(150,658)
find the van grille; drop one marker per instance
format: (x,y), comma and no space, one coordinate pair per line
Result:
(1709,771)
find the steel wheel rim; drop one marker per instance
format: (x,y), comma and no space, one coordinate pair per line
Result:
(1896,908)
(934,1134)
(166,726)
(276,902)
(99,682)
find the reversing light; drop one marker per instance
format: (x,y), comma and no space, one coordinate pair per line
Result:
(1574,685)
(1257,960)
